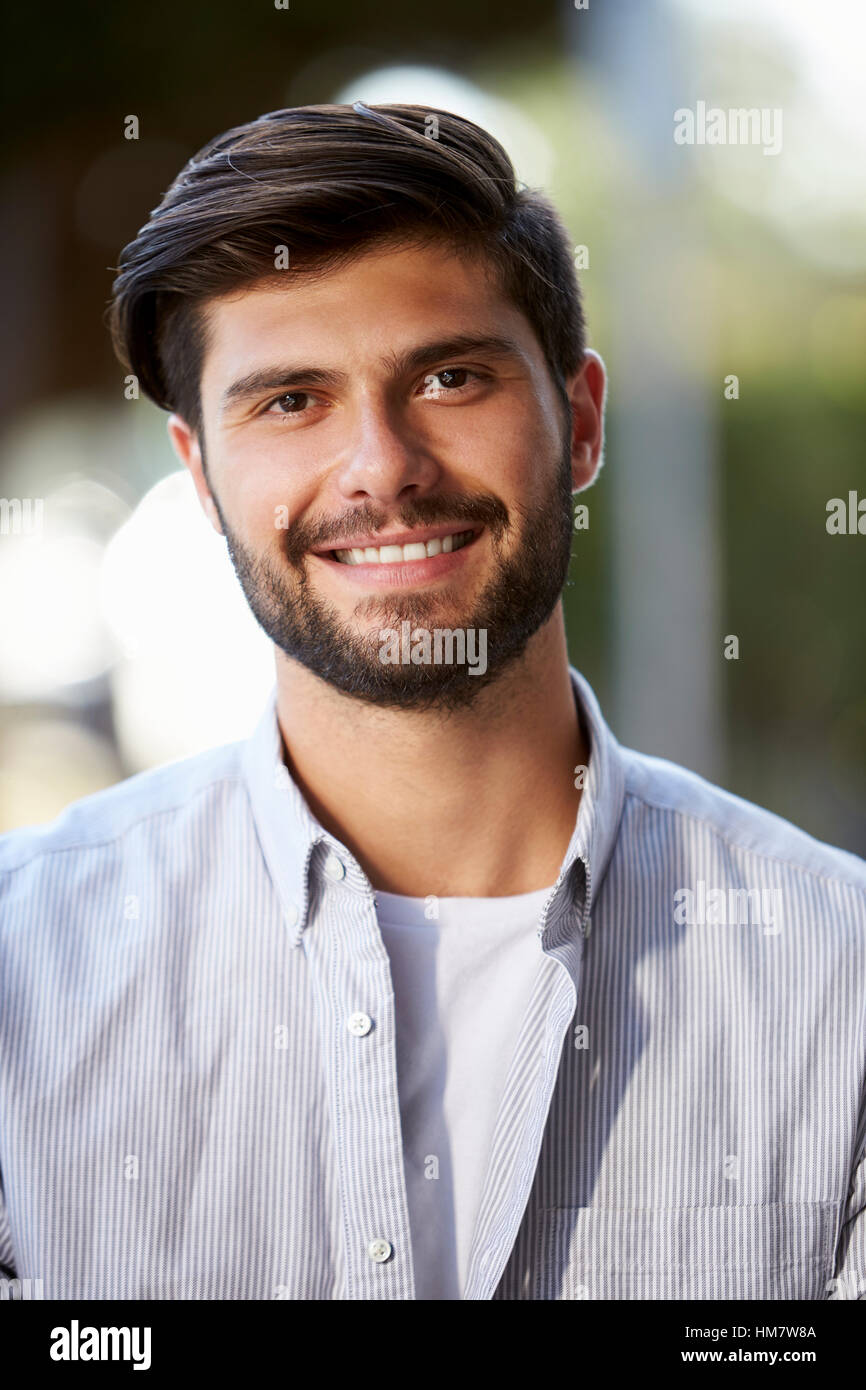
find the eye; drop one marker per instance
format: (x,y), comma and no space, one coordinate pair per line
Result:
(289,403)
(449,381)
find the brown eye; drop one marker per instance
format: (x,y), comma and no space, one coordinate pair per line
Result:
(449,380)
(287,404)
(450,376)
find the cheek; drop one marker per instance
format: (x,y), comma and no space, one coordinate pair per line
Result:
(496,450)
(260,503)
(526,461)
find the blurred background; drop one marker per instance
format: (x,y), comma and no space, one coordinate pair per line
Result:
(725,287)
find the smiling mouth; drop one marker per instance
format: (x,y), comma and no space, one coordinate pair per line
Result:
(403,554)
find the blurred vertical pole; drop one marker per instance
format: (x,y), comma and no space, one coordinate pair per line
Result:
(667,640)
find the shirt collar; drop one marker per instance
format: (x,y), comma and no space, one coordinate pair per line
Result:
(598,818)
(292,839)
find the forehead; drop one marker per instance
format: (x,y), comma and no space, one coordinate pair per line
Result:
(384,301)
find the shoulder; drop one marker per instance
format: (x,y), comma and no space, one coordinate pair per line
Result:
(105,820)
(699,809)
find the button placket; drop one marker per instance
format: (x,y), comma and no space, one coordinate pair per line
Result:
(347,952)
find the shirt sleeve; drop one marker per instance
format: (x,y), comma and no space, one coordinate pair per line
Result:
(850,1273)
(7,1254)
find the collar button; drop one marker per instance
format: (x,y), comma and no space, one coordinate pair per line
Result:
(334,868)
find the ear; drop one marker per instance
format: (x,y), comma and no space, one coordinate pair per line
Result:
(185,444)
(587,390)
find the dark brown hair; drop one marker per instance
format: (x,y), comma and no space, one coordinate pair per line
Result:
(327,182)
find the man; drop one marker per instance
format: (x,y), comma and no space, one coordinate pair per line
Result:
(431,990)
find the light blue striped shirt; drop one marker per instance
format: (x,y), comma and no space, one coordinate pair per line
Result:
(190,1106)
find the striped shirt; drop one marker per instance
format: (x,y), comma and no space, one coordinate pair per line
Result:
(198,1086)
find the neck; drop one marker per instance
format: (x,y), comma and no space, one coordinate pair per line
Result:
(476,803)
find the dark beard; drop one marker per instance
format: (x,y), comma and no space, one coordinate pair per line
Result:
(513,605)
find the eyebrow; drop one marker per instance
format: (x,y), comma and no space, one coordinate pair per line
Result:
(397,364)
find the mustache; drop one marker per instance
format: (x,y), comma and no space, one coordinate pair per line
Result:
(481,510)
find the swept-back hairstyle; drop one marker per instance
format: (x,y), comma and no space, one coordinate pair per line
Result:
(326,183)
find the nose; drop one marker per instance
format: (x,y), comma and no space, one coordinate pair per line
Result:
(386,461)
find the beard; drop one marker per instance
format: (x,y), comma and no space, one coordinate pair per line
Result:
(518,598)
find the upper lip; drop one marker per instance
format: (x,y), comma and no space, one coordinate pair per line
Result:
(426,533)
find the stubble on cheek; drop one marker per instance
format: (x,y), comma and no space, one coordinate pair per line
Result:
(338,638)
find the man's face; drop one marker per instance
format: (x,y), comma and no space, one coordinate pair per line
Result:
(385,444)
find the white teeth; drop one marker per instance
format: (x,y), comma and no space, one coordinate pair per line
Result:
(399,554)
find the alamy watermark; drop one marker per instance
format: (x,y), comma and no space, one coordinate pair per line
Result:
(15,1290)
(76,1343)
(443,645)
(703,906)
(711,125)
(847,520)
(21,516)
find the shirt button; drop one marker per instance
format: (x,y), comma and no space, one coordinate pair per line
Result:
(379,1250)
(587,927)
(359,1024)
(334,868)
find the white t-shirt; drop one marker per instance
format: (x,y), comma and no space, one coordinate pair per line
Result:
(462,981)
